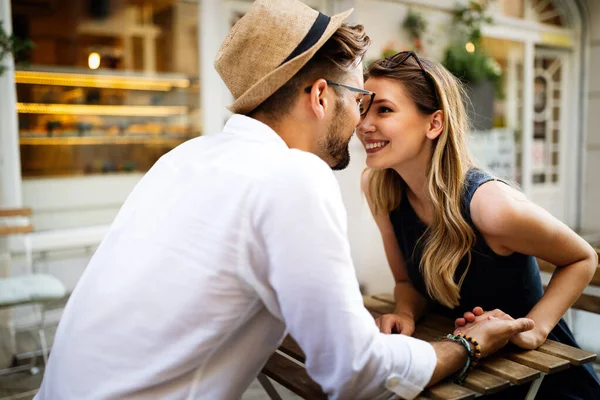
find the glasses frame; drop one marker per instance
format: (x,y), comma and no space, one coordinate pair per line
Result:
(352,89)
(405,55)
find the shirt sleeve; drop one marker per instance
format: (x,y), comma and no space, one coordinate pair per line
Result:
(301,220)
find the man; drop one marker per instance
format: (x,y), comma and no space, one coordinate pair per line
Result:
(232,240)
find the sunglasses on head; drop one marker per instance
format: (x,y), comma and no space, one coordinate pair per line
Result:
(400,58)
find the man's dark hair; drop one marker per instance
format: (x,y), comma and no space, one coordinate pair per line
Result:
(338,56)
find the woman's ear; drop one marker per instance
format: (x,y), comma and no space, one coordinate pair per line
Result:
(318,101)
(436,125)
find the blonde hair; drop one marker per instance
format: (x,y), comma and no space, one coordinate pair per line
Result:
(450,237)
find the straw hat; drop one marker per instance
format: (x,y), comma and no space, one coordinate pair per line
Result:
(268,45)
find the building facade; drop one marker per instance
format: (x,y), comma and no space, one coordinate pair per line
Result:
(74,139)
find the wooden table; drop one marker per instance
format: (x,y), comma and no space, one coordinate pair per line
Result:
(492,375)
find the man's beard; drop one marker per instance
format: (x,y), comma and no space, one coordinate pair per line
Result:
(334,146)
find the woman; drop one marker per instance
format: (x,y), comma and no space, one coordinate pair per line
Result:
(454,236)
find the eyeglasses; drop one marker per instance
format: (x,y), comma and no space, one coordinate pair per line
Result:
(364,103)
(400,58)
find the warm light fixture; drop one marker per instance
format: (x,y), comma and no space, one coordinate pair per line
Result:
(100,81)
(85,109)
(94,60)
(470,47)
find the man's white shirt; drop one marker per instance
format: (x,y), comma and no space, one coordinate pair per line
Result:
(227,244)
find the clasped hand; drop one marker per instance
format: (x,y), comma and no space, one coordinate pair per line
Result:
(529,339)
(491,329)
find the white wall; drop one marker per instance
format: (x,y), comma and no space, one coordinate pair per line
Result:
(591,206)
(365,241)
(78,201)
(383,23)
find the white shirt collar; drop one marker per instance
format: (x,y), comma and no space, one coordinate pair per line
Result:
(252,129)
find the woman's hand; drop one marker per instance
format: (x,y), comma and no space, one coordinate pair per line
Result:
(529,340)
(402,323)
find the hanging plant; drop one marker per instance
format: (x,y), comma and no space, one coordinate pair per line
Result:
(470,18)
(11,44)
(465,56)
(416,25)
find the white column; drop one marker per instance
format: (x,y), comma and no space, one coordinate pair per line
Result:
(528,101)
(512,106)
(10,175)
(10,162)
(213,93)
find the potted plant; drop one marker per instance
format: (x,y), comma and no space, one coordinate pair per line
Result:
(11,44)
(467,60)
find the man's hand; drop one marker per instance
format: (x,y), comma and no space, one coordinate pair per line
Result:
(396,323)
(493,333)
(468,317)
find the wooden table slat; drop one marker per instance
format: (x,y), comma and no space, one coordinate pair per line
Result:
(484,382)
(292,376)
(574,355)
(516,373)
(450,391)
(387,297)
(536,359)
(290,347)
(587,302)
(427,333)
(441,324)
(382,307)
(15,212)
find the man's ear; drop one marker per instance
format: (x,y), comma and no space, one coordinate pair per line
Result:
(318,102)
(436,125)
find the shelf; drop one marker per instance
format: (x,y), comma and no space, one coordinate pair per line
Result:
(100,140)
(84,109)
(100,81)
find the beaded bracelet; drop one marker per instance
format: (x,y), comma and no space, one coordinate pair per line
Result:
(473,354)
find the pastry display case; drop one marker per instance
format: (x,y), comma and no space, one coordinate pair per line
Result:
(80,122)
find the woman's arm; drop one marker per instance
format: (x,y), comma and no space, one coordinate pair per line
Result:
(409,302)
(511,223)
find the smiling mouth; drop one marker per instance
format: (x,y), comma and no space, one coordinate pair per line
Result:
(373,147)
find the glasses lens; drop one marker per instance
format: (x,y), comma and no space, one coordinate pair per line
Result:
(365,104)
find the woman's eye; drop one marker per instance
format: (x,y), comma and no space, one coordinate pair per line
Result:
(384,110)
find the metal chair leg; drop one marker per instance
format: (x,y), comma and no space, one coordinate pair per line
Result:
(268,386)
(535,386)
(42,334)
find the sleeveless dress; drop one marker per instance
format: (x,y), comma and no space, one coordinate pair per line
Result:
(510,283)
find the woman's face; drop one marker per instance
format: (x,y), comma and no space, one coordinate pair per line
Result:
(394,132)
